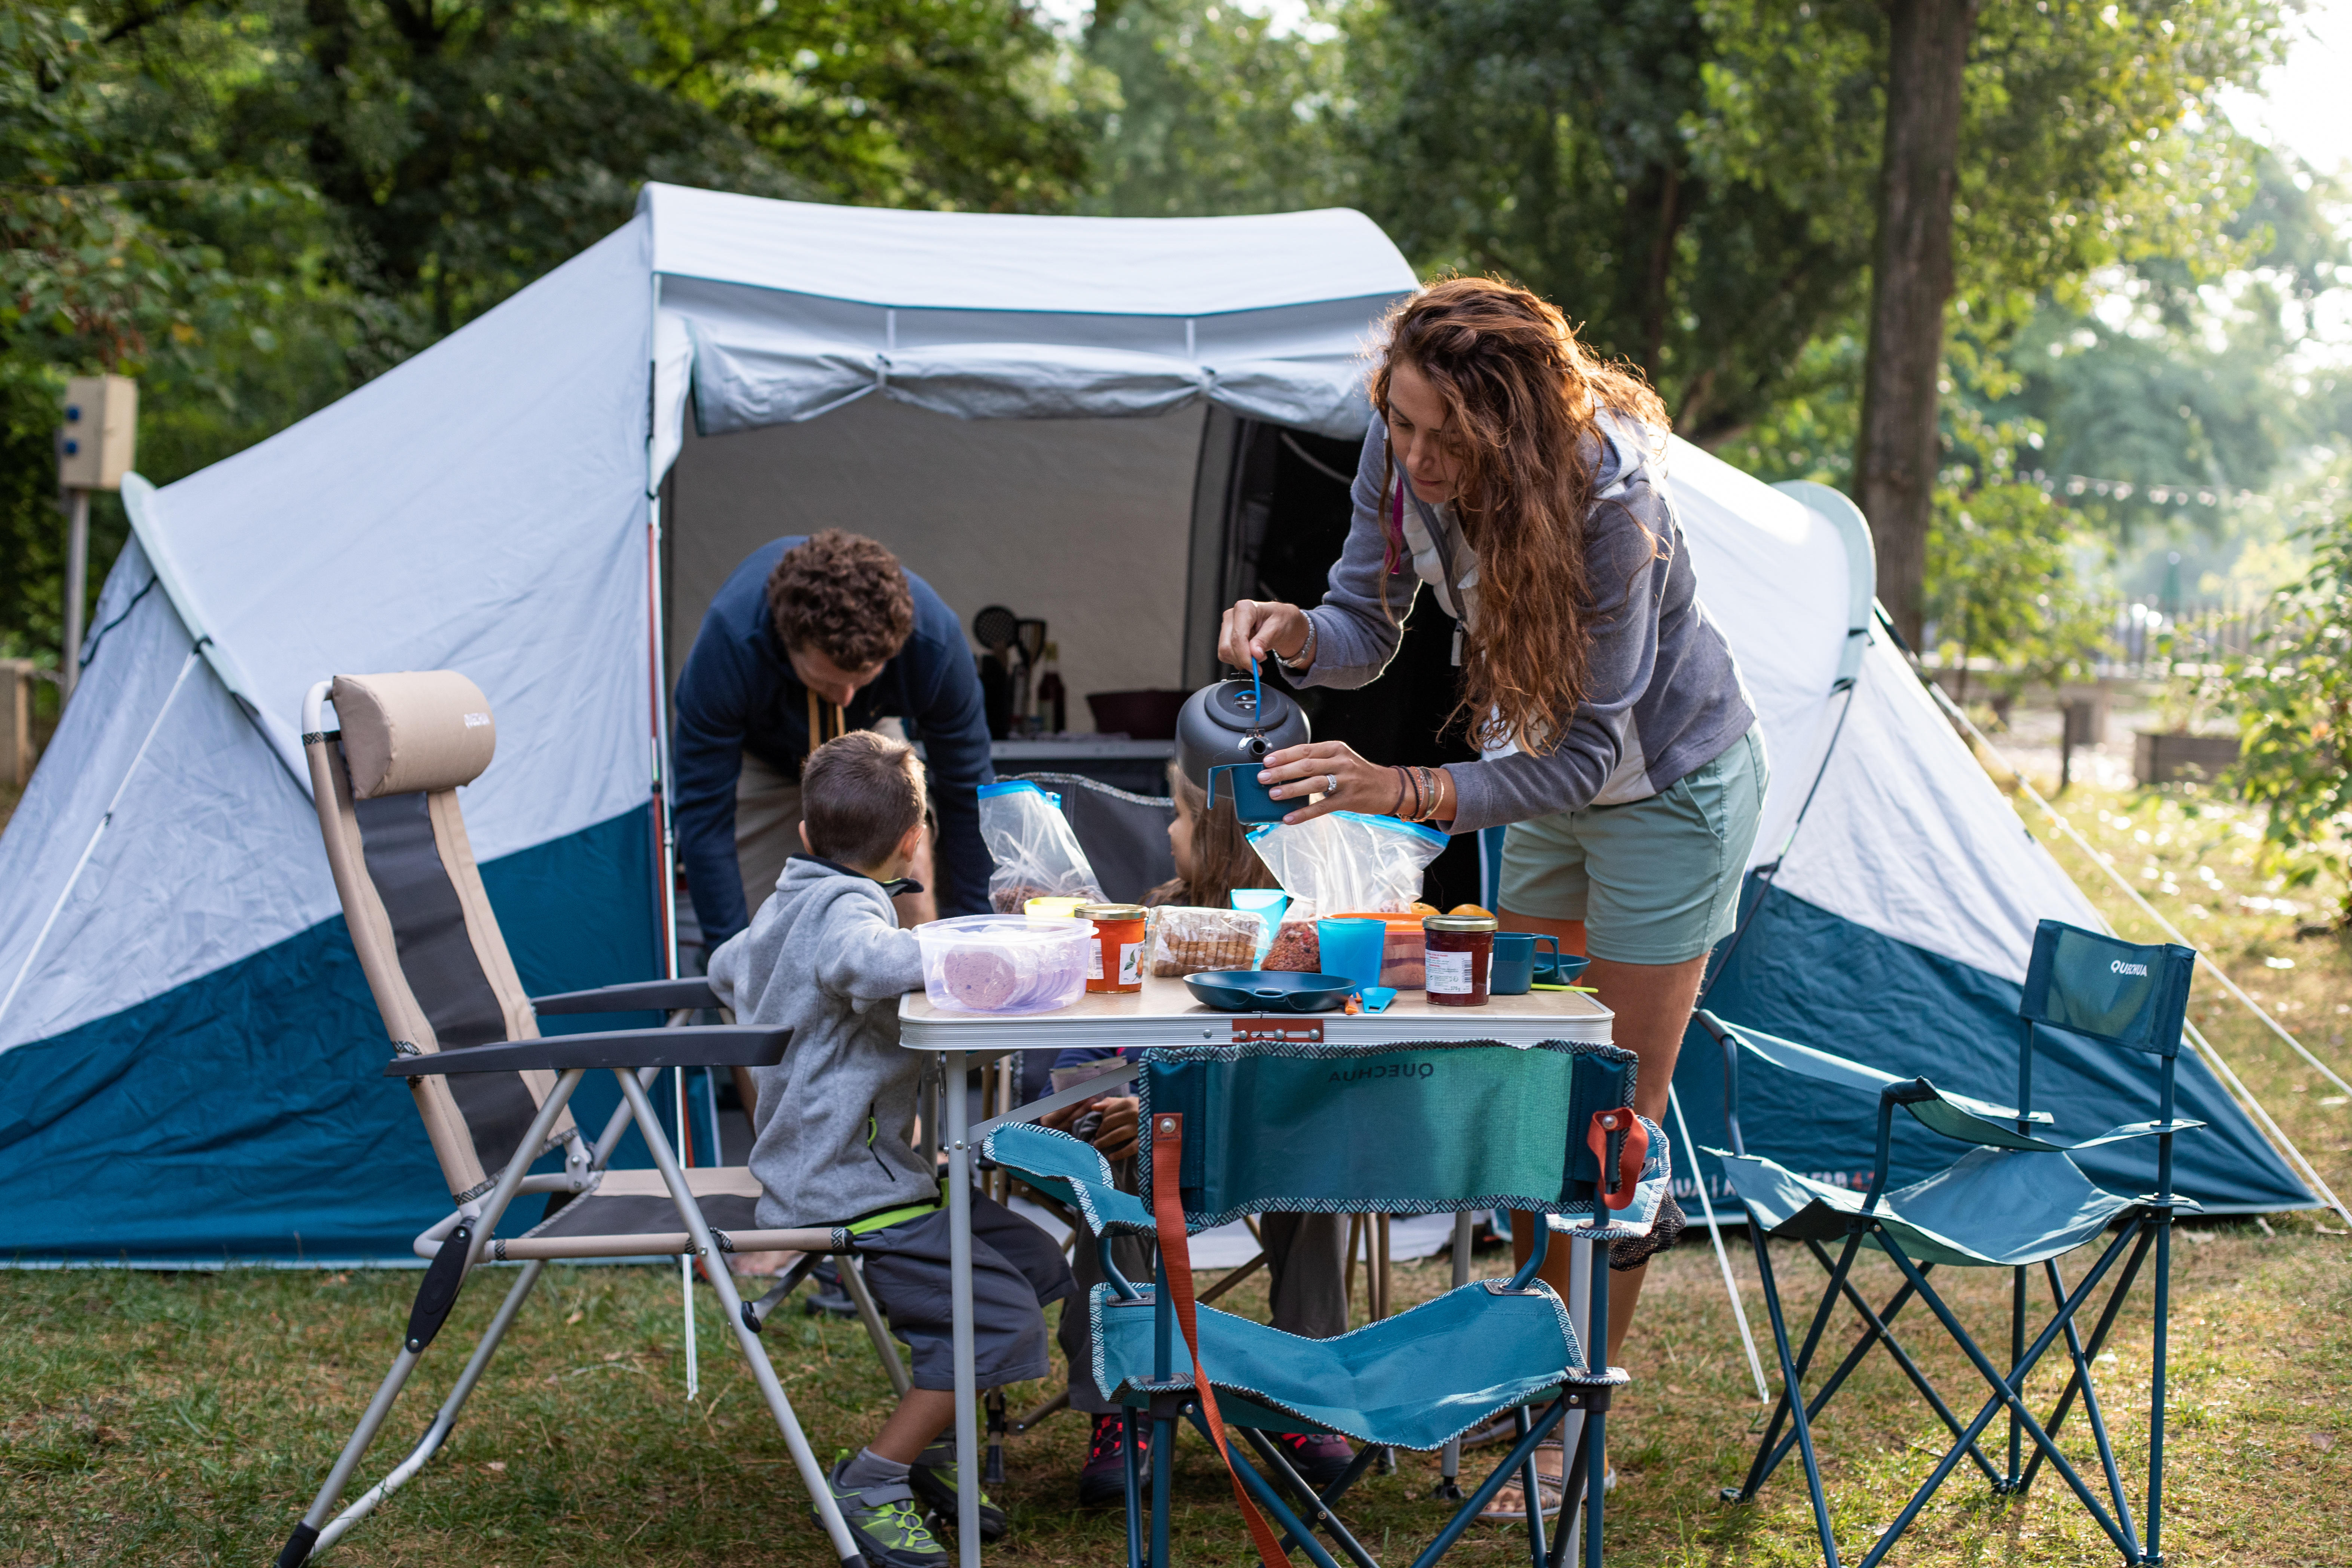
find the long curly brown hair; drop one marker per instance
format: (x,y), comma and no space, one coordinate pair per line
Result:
(1522,399)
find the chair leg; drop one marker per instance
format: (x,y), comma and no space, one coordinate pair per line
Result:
(2091,1411)
(853,1281)
(2005,1394)
(444,1420)
(299,1545)
(1314,1508)
(2156,1383)
(1531,1494)
(1792,1397)
(722,1280)
(1131,1422)
(1495,1482)
(1770,1451)
(1163,1483)
(1881,1330)
(2008,1483)
(2099,1332)
(1270,1503)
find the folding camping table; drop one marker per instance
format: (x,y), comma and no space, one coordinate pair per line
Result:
(1164,1013)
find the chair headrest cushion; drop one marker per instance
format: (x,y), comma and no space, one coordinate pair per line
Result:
(416,731)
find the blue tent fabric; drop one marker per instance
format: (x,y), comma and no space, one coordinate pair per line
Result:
(225,1120)
(1806,974)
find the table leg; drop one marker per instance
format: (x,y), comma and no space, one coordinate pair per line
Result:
(967,1393)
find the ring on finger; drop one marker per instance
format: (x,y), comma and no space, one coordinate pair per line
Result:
(1331,783)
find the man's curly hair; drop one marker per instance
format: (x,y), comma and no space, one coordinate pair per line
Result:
(844,595)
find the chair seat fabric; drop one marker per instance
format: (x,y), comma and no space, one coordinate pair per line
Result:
(1414,1380)
(1991,1208)
(631,1213)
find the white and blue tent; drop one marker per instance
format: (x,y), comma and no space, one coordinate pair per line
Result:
(1025,409)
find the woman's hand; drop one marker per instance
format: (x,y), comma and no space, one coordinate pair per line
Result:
(1331,769)
(1254,628)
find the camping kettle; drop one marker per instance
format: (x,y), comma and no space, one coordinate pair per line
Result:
(1235,720)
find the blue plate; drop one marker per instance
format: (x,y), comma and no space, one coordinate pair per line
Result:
(1571,964)
(1269,991)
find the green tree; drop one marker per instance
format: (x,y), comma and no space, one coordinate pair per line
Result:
(1210,109)
(1994,151)
(1576,148)
(2294,714)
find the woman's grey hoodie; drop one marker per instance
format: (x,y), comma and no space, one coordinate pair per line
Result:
(824,957)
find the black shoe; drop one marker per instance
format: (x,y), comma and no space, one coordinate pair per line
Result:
(933,1477)
(887,1524)
(1103,1481)
(1319,1457)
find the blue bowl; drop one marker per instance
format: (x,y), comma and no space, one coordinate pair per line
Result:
(1269,991)
(1560,970)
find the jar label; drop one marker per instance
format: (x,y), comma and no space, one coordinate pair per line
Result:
(1130,962)
(1094,961)
(1449,973)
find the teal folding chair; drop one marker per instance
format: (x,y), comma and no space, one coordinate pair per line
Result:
(1297,1127)
(2015,1201)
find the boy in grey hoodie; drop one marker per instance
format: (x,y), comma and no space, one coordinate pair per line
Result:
(833,1120)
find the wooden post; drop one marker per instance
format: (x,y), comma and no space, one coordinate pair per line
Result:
(15,722)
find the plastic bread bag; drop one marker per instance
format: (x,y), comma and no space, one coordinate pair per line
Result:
(1035,852)
(1186,939)
(1344,862)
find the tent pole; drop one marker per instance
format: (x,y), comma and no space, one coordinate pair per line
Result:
(95,834)
(2244,1095)
(1715,1233)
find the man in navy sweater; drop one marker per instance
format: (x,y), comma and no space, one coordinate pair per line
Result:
(809,639)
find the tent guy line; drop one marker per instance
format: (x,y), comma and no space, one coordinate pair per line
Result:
(96,832)
(2205,1046)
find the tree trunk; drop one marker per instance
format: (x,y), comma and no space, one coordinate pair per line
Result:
(1895,458)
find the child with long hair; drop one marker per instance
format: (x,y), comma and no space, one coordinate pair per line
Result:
(1307,1275)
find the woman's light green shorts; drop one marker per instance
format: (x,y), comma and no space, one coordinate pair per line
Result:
(1655,881)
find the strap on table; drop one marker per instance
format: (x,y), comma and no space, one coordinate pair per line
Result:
(1176,1252)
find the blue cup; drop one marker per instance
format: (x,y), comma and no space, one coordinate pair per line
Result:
(1251,803)
(1511,972)
(1352,949)
(1266,903)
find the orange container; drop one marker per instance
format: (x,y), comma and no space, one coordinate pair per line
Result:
(1115,961)
(1404,955)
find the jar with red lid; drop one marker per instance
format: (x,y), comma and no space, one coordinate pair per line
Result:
(1115,961)
(1461,952)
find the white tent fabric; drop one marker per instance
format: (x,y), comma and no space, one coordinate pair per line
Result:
(1907,835)
(793,309)
(484,506)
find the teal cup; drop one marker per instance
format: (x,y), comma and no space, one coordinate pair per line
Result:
(1511,972)
(1237,781)
(1266,903)
(1351,949)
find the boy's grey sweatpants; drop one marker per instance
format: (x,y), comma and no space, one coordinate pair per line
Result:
(1307,1283)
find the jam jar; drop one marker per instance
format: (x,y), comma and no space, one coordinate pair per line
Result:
(1461,949)
(1116,962)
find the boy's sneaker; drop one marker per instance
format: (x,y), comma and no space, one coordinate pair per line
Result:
(886,1523)
(1103,1482)
(827,1296)
(1322,1458)
(933,1477)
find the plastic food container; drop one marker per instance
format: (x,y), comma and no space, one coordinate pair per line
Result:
(1401,956)
(1461,955)
(1116,961)
(1005,964)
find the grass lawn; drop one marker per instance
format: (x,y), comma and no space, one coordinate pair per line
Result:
(186,1419)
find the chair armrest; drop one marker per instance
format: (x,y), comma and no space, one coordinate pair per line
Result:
(709,1046)
(633,997)
(1055,1162)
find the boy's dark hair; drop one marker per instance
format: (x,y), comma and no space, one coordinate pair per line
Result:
(860,793)
(843,595)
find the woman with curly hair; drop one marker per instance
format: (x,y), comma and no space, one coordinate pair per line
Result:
(1523,480)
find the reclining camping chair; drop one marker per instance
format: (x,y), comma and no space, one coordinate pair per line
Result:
(2015,1201)
(1434,1129)
(493,1094)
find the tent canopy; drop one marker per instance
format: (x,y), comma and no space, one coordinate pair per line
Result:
(189,1059)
